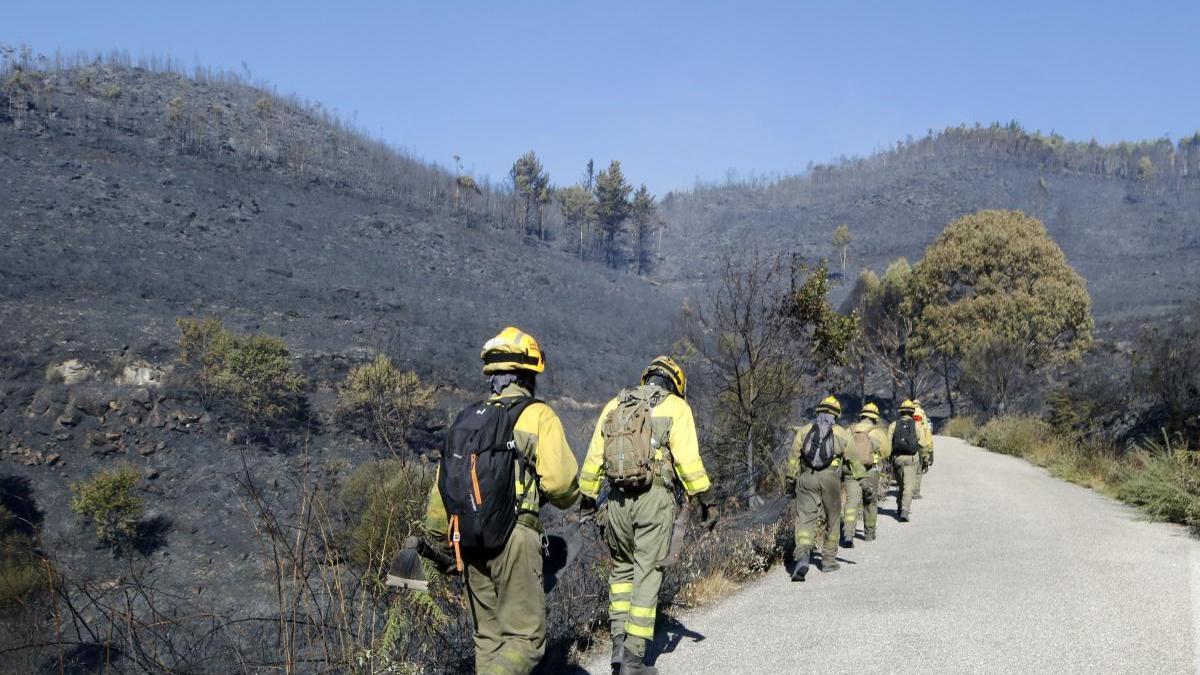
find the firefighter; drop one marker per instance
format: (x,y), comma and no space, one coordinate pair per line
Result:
(504,584)
(814,478)
(644,445)
(860,477)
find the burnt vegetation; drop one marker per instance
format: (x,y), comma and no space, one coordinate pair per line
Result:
(233,327)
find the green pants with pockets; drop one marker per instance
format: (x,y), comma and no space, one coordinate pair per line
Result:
(856,490)
(907,468)
(818,493)
(638,534)
(508,605)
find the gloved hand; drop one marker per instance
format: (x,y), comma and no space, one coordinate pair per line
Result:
(708,509)
(587,508)
(440,554)
(929,461)
(789,488)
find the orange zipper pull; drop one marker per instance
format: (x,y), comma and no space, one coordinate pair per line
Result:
(455,537)
(475,482)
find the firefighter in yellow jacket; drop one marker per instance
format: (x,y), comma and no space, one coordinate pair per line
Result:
(504,587)
(860,476)
(644,445)
(814,479)
(908,439)
(926,458)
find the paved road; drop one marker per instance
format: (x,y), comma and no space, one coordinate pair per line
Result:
(1002,569)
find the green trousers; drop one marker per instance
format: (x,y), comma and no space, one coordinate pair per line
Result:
(856,490)
(508,605)
(818,493)
(917,489)
(907,468)
(638,534)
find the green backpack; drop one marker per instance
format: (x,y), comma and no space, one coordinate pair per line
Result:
(629,444)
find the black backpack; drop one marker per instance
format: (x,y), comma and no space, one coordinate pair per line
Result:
(817,452)
(904,438)
(478,479)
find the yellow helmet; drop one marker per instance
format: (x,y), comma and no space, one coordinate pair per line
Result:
(512,349)
(870,411)
(908,407)
(830,405)
(668,368)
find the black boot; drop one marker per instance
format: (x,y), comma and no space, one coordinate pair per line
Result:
(618,653)
(848,543)
(801,569)
(632,664)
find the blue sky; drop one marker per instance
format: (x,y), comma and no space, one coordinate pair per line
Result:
(675,90)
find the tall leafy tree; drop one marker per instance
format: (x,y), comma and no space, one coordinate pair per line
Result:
(887,328)
(612,208)
(995,287)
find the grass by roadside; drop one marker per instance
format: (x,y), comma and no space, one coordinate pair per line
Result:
(1162,478)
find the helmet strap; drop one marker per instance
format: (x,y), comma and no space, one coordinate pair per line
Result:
(660,380)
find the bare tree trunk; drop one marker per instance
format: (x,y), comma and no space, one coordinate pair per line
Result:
(750,459)
(946,380)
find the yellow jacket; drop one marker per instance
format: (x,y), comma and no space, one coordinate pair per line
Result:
(924,438)
(674,429)
(925,426)
(841,440)
(540,438)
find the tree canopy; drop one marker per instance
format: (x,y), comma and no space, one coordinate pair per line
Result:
(997,275)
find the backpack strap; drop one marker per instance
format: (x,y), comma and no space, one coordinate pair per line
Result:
(513,410)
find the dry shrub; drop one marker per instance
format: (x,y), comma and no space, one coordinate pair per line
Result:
(963,427)
(1015,435)
(706,590)
(738,553)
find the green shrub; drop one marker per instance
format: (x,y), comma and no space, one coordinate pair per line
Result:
(1165,484)
(384,503)
(22,574)
(961,427)
(381,402)
(1016,435)
(254,373)
(108,502)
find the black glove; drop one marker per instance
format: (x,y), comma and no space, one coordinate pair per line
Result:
(587,508)
(789,488)
(708,509)
(440,554)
